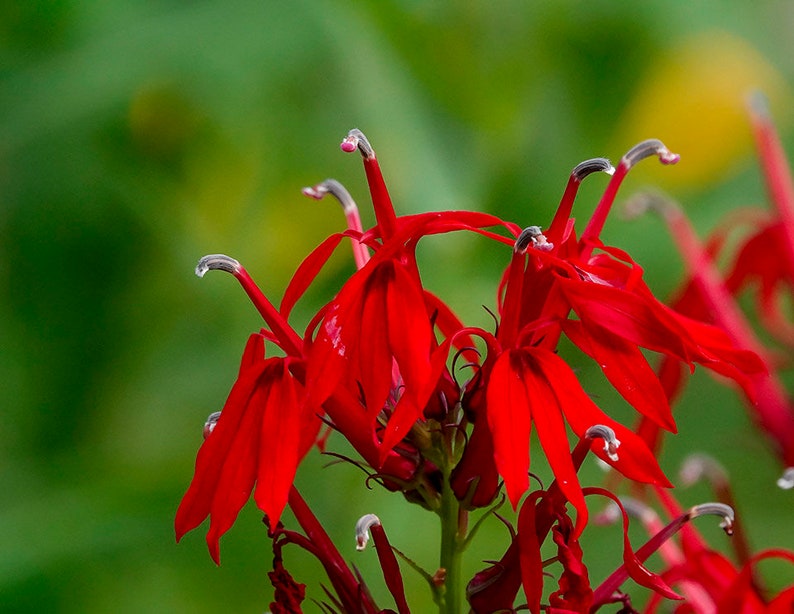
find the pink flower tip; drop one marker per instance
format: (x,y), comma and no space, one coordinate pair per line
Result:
(348,146)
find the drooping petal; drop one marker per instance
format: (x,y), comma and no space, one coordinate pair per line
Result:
(627,315)
(547,415)
(635,460)
(307,272)
(529,553)
(409,331)
(238,471)
(286,426)
(509,419)
(197,502)
(627,370)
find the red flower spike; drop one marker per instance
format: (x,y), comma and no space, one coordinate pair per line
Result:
(767,396)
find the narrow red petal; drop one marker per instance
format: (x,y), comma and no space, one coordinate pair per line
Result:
(307,272)
(529,553)
(282,431)
(196,503)
(547,417)
(509,418)
(635,460)
(626,368)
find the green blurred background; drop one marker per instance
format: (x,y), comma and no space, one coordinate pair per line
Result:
(137,137)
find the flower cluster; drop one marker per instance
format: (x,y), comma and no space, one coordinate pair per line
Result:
(443,412)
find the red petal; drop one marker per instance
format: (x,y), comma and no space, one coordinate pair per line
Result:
(374,357)
(410,333)
(238,472)
(306,273)
(196,503)
(635,460)
(529,553)
(547,417)
(283,428)
(509,418)
(627,315)
(627,370)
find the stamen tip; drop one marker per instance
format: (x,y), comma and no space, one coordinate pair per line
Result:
(532,236)
(362,530)
(786,481)
(348,145)
(217,262)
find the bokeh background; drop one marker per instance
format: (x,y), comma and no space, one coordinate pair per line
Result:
(137,137)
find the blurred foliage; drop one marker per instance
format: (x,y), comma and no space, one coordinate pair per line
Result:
(136,137)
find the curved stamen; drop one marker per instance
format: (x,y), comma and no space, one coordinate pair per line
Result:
(786,481)
(209,424)
(715,509)
(355,139)
(531,235)
(338,191)
(287,338)
(217,262)
(611,442)
(639,152)
(647,148)
(335,189)
(579,172)
(362,530)
(698,466)
(381,201)
(593,165)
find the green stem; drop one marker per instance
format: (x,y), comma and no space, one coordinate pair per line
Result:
(452,541)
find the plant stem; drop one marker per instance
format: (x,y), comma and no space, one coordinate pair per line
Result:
(449,595)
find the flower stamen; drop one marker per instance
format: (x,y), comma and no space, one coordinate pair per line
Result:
(362,530)
(338,191)
(210,423)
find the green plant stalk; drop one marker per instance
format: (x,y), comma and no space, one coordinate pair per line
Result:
(451,592)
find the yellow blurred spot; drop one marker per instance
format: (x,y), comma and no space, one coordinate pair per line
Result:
(695,100)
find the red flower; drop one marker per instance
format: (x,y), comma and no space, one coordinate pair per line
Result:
(261,435)
(550,276)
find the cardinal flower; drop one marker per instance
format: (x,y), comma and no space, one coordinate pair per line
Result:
(554,275)
(263,432)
